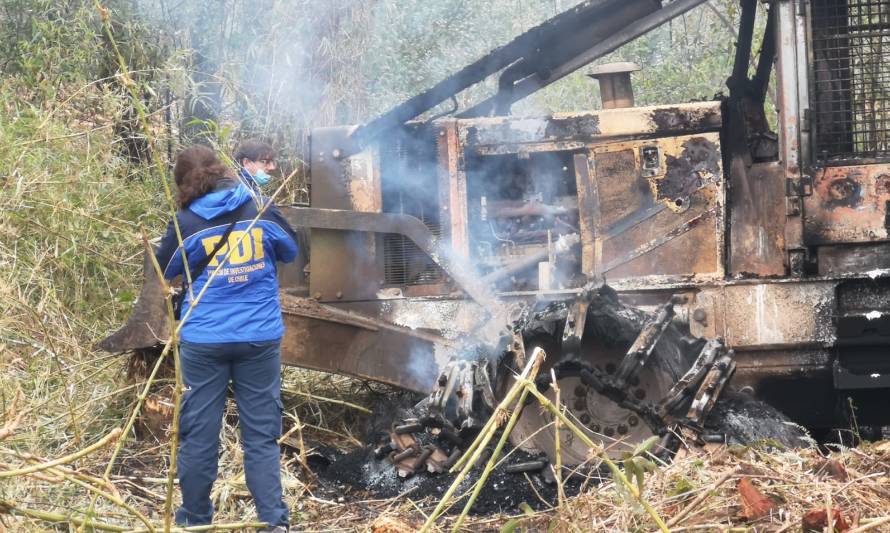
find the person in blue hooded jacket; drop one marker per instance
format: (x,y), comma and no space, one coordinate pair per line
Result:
(233,333)
(255,159)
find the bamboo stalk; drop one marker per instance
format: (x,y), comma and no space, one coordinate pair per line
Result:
(489,467)
(174,428)
(507,401)
(871,525)
(7,507)
(331,400)
(616,472)
(108,496)
(560,491)
(484,437)
(298,428)
(113,435)
(14,510)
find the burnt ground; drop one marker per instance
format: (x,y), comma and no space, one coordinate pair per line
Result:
(745,421)
(358,474)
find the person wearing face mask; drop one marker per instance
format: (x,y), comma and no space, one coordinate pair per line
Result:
(255,159)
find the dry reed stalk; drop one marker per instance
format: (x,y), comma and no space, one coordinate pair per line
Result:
(104,441)
(331,400)
(13,416)
(474,451)
(617,474)
(489,467)
(557,472)
(701,497)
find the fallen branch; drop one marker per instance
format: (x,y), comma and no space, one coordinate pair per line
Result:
(871,525)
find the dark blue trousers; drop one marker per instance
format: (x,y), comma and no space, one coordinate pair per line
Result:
(255,371)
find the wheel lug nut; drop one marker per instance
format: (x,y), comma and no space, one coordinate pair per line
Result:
(580,404)
(580,390)
(632,421)
(609,431)
(585,419)
(640,394)
(622,429)
(595,428)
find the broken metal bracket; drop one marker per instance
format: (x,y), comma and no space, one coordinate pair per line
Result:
(574,328)
(710,389)
(690,381)
(641,350)
(801,186)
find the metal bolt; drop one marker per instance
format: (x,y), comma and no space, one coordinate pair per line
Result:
(595,428)
(633,421)
(585,419)
(580,404)
(622,429)
(318,296)
(699,315)
(339,294)
(639,394)
(580,390)
(441,133)
(609,431)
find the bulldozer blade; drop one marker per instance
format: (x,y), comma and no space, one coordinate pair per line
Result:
(147,326)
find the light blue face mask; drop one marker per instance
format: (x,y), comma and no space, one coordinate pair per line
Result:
(261,178)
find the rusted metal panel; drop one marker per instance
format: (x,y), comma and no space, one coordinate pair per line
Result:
(853,259)
(792,92)
(588,210)
(382,356)
(452,188)
(848,204)
(510,134)
(757,211)
(659,208)
(345,265)
(765,315)
(797,380)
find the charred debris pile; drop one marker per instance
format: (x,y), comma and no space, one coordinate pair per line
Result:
(416,451)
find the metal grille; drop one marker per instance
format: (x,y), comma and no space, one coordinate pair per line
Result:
(851,86)
(409,180)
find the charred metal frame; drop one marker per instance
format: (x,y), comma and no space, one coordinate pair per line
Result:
(786,236)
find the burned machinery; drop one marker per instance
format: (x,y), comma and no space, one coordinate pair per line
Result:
(731,246)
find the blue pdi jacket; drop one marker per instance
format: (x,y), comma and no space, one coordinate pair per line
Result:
(241,304)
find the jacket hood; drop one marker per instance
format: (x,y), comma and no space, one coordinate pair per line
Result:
(220,202)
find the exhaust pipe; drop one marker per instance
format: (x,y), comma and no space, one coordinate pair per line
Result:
(615,88)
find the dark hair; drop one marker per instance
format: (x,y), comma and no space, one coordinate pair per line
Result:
(254,150)
(196,172)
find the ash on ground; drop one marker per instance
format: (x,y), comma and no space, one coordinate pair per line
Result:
(746,421)
(503,491)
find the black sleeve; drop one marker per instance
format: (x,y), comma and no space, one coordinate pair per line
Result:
(168,255)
